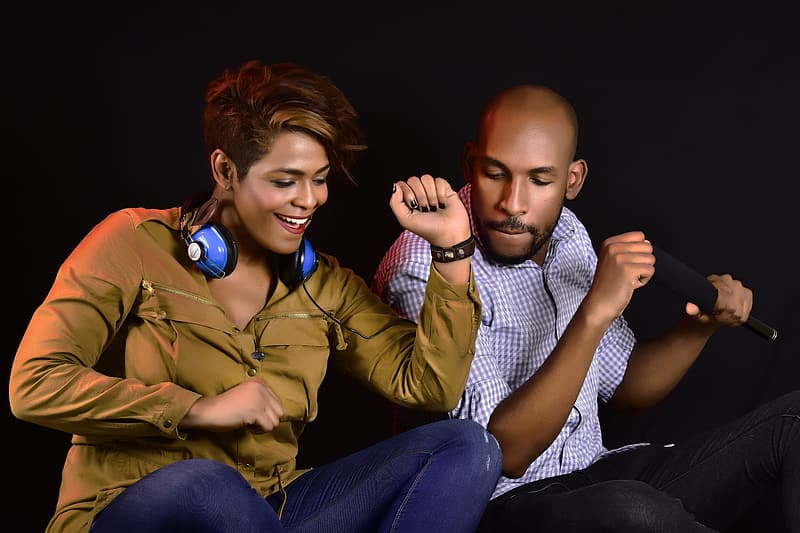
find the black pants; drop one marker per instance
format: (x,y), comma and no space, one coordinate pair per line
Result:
(702,484)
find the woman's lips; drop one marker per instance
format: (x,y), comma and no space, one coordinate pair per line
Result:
(296,225)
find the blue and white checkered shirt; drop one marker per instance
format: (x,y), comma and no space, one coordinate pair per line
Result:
(525,310)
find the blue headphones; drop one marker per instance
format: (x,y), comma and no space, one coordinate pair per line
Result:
(213,249)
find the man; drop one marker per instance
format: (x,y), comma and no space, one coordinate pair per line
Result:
(553,342)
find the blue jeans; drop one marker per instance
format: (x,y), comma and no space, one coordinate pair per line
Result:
(437,477)
(706,482)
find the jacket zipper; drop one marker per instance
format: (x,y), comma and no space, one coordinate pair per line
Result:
(290,315)
(151,287)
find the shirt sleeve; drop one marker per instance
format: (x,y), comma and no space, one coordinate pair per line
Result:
(485,386)
(616,345)
(612,357)
(421,362)
(53,381)
(400,281)
(402,276)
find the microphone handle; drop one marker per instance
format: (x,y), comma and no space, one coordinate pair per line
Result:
(757,326)
(691,285)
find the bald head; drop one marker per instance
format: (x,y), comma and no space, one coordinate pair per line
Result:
(522,169)
(530,106)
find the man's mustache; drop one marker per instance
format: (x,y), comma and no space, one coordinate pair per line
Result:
(512,223)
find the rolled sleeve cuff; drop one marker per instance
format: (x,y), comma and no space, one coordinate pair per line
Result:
(452,291)
(173,412)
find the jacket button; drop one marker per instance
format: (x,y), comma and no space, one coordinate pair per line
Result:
(251,372)
(168,423)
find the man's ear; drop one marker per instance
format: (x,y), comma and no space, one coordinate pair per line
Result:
(468,161)
(223,169)
(577,174)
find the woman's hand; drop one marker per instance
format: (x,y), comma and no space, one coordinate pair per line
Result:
(430,208)
(251,404)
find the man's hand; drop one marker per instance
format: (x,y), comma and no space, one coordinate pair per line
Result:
(624,263)
(733,305)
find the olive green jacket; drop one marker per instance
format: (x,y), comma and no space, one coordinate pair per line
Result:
(129,337)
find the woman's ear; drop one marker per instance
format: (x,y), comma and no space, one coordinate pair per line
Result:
(223,169)
(577,174)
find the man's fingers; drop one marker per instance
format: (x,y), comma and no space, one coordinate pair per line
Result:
(630,236)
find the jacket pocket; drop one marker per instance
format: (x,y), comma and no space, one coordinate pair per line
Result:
(296,350)
(178,336)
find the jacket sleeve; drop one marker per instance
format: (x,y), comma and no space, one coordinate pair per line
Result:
(400,281)
(423,365)
(53,381)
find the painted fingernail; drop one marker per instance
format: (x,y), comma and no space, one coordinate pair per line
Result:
(413,204)
(441,205)
(424,208)
(394,187)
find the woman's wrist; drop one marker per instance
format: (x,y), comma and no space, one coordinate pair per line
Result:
(461,250)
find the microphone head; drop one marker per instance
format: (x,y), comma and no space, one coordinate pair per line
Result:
(684,281)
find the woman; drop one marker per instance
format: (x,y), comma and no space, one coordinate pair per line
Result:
(184,348)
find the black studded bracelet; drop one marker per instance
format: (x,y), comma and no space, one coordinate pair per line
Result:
(456,252)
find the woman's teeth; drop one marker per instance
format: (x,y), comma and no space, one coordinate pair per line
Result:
(294,221)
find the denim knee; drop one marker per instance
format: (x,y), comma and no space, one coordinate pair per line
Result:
(792,402)
(634,506)
(484,450)
(191,471)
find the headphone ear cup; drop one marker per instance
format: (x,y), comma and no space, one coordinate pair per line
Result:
(213,250)
(296,268)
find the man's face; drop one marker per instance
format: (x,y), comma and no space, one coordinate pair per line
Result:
(519,171)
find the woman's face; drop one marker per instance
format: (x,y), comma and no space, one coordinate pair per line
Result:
(275,200)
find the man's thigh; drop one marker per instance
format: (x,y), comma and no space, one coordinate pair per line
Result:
(571,503)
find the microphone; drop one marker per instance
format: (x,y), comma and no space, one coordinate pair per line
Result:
(687,283)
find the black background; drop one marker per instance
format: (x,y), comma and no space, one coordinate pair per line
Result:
(688,120)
